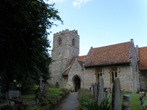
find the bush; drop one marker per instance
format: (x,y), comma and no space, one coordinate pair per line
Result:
(93,105)
(86,102)
(84,97)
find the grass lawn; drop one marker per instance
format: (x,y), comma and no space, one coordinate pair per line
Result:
(53,95)
(135,101)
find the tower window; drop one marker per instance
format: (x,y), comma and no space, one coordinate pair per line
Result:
(73,42)
(59,41)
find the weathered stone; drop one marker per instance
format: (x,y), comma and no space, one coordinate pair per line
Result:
(100,90)
(116,95)
(14,93)
(92,89)
(107,93)
(142,98)
(12,86)
(46,86)
(95,91)
(126,102)
(41,84)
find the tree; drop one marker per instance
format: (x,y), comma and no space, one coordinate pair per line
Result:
(23,39)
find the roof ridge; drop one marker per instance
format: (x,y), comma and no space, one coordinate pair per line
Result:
(112,45)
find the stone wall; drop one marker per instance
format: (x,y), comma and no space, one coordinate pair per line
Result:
(143,80)
(75,70)
(124,74)
(62,54)
(134,66)
(89,77)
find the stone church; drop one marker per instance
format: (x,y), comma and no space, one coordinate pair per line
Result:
(123,60)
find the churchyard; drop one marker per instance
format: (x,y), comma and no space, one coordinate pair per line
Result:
(104,99)
(39,97)
(43,97)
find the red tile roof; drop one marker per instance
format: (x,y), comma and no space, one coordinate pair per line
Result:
(108,55)
(66,71)
(80,59)
(143,58)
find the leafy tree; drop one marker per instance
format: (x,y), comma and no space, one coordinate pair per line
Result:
(23,40)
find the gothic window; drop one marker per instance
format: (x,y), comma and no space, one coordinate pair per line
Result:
(98,73)
(73,41)
(113,74)
(59,41)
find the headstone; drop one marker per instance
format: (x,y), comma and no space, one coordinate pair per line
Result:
(107,93)
(95,91)
(116,95)
(126,102)
(12,86)
(57,85)
(100,97)
(14,94)
(46,86)
(142,98)
(41,84)
(92,89)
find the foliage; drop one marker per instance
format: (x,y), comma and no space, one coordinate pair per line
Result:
(84,98)
(52,97)
(86,102)
(23,40)
(93,105)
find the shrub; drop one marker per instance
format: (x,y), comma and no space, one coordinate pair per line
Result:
(93,105)
(84,97)
(86,102)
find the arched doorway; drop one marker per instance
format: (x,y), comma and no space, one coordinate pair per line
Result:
(77,83)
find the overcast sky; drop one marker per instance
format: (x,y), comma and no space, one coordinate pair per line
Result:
(103,22)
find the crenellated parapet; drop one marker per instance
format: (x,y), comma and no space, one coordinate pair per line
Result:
(72,32)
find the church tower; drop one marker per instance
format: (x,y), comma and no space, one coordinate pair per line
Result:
(65,47)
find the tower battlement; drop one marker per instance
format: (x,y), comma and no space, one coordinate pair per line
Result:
(72,32)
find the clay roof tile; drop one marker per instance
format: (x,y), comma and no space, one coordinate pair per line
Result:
(143,58)
(108,55)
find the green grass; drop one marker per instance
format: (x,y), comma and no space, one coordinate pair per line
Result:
(28,96)
(135,101)
(53,97)
(84,97)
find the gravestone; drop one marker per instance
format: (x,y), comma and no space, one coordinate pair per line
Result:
(100,96)
(12,86)
(126,102)
(41,84)
(95,91)
(108,93)
(46,86)
(142,98)
(92,89)
(57,85)
(116,95)
(14,94)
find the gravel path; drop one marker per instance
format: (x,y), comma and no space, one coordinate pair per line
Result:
(70,102)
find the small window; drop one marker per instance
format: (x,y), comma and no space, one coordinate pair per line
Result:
(113,74)
(59,41)
(73,42)
(98,73)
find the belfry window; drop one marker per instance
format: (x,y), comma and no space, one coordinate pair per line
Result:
(73,42)
(59,41)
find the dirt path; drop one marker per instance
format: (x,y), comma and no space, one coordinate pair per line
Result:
(70,103)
